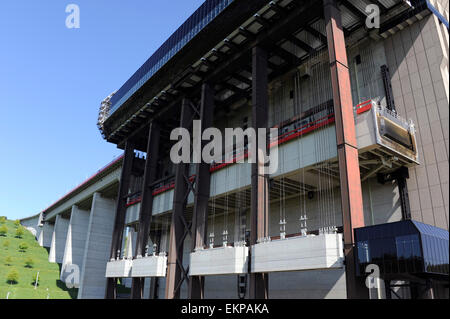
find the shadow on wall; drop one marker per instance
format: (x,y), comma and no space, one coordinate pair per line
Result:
(381,202)
(317,284)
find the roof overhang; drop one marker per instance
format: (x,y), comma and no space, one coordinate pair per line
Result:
(203,60)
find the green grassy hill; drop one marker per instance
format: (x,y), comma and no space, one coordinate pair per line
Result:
(49,284)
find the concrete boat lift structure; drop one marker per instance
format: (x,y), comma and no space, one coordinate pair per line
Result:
(223,66)
(242,36)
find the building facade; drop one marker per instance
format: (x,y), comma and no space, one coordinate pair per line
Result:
(361,185)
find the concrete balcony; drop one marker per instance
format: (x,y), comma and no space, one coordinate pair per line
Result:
(299,253)
(118,268)
(219,261)
(150,266)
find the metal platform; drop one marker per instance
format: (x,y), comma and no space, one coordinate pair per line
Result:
(151,266)
(219,261)
(300,253)
(118,268)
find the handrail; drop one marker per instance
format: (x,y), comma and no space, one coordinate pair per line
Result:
(296,132)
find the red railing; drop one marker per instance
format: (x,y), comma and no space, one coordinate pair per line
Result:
(284,138)
(100,171)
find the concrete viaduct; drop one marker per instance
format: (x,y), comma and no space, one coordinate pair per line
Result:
(77,229)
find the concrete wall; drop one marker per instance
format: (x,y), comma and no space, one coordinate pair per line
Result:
(59,236)
(33,225)
(293,156)
(75,242)
(381,205)
(97,248)
(288,285)
(45,236)
(418,62)
(366,78)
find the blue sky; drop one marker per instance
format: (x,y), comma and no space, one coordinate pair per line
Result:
(52,80)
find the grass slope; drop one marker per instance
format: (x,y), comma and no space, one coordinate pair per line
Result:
(49,284)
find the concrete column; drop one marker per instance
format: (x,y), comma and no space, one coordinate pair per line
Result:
(58,240)
(97,248)
(128,249)
(45,236)
(32,225)
(38,232)
(75,242)
(147,284)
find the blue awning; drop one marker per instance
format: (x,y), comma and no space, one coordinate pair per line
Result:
(406,247)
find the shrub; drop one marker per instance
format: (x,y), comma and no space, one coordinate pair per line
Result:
(8,261)
(29,262)
(19,232)
(35,279)
(3,230)
(6,244)
(17,223)
(13,277)
(23,247)
(2,219)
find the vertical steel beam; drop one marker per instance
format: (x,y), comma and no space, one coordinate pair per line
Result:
(350,180)
(154,284)
(385,74)
(259,191)
(119,222)
(402,175)
(145,214)
(202,192)
(178,223)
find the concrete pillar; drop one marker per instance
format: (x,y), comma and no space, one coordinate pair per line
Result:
(38,232)
(147,284)
(32,225)
(130,243)
(128,249)
(75,242)
(45,236)
(58,240)
(97,248)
